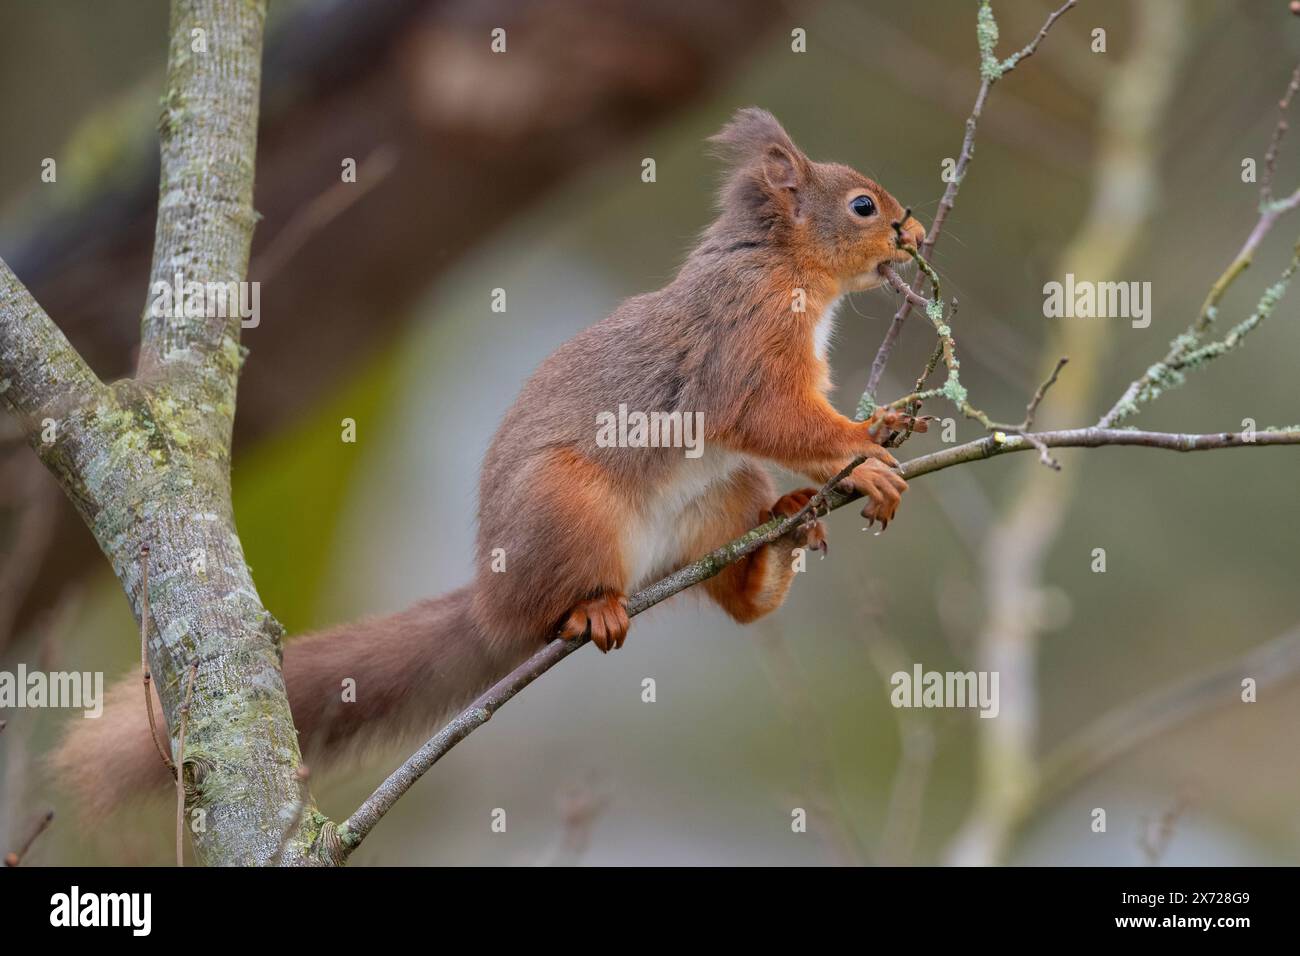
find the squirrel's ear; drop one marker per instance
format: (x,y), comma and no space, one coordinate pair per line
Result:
(754,137)
(780,169)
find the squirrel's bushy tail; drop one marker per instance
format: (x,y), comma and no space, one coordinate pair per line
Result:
(410,670)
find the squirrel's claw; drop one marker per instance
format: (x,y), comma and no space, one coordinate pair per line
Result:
(604,618)
(810,533)
(883,487)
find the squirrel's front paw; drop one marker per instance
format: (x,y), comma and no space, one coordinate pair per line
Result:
(883,423)
(809,533)
(883,487)
(605,617)
(886,420)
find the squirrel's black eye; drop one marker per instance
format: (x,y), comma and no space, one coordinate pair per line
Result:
(863,205)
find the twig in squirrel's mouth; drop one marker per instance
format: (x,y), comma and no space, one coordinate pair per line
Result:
(901,286)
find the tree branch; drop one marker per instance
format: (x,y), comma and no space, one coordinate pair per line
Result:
(41,374)
(208,139)
(363,820)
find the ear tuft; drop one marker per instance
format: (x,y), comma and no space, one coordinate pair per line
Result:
(754,137)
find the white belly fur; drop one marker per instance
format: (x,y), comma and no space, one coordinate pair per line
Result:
(825,330)
(653,542)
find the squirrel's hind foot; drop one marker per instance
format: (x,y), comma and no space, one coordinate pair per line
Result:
(809,533)
(604,618)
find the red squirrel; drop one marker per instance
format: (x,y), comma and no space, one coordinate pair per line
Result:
(567,527)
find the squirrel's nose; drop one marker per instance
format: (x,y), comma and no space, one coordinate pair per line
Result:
(914,230)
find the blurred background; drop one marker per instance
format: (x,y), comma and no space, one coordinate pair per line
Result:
(1120,689)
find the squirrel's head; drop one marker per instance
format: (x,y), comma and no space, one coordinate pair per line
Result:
(827,215)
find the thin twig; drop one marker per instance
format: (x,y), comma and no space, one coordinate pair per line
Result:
(1279,131)
(952,389)
(1022,127)
(902,288)
(145,673)
(1031,47)
(323,210)
(1032,408)
(988,78)
(1044,456)
(373,809)
(1186,350)
(17,856)
(180,767)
